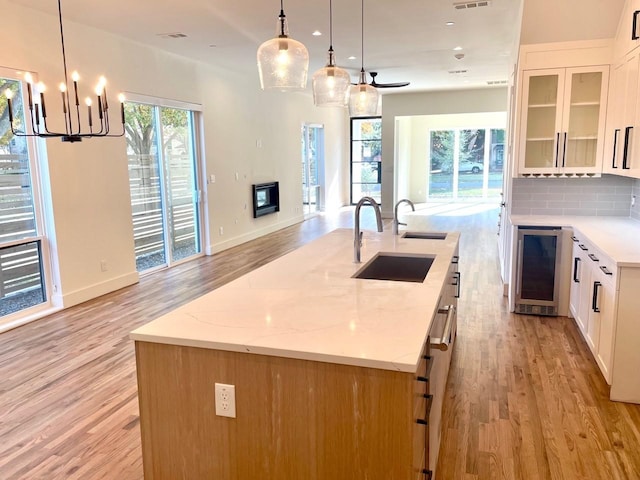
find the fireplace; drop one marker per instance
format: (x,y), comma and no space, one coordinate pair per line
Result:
(266,199)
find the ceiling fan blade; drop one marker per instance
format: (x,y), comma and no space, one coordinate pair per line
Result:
(385,85)
(390,85)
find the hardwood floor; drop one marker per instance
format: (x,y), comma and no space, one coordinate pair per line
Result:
(525,399)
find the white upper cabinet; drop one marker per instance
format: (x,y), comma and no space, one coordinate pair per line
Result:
(562,121)
(628,36)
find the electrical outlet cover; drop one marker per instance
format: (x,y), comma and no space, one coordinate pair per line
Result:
(225,400)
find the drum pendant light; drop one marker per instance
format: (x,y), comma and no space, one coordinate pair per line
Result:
(283,62)
(331,84)
(363,98)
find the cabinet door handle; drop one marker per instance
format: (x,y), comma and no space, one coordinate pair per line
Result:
(455,259)
(557,148)
(443,342)
(458,276)
(564,149)
(625,155)
(583,248)
(634,26)
(594,300)
(576,261)
(428,474)
(593,257)
(616,132)
(606,270)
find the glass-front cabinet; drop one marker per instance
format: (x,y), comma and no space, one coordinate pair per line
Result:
(562,121)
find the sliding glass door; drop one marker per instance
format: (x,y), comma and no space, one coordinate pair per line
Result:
(163,179)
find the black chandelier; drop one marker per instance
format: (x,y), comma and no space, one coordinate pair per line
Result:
(73,129)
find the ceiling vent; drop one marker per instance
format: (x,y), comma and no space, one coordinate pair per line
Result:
(468,5)
(172,35)
(458,72)
(496,82)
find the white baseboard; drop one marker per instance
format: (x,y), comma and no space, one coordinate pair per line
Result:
(235,241)
(97,289)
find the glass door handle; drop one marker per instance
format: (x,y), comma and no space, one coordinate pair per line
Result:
(557,148)
(564,149)
(616,132)
(625,156)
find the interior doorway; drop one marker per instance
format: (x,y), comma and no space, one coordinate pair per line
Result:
(312,169)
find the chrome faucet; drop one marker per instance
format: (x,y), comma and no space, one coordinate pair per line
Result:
(397,223)
(357,241)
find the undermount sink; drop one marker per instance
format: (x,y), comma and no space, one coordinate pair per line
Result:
(396,267)
(426,235)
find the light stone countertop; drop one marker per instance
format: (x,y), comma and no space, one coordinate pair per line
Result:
(306,305)
(617,237)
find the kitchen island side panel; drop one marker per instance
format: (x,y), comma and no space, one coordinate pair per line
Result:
(295,418)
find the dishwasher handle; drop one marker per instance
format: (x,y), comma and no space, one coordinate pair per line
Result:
(443,342)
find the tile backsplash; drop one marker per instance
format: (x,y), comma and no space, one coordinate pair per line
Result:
(609,195)
(635,210)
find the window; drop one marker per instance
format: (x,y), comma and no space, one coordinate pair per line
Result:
(465,163)
(164,184)
(22,273)
(366,158)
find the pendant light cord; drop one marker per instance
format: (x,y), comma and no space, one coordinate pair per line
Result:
(282,19)
(362,37)
(330,26)
(67,118)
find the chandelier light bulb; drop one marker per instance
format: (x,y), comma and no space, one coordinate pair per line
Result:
(74,76)
(88,101)
(41,87)
(28,78)
(63,87)
(8,93)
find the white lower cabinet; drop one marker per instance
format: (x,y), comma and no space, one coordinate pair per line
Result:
(605,303)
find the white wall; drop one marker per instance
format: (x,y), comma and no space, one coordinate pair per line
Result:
(427,103)
(88,182)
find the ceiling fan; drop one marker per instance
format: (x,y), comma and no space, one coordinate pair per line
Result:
(385,85)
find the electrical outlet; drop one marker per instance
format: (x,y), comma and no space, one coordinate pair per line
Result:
(103,266)
(221,231)
(633,200)
(225,400)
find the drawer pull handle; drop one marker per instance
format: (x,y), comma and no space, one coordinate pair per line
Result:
(455,259)
(593,257)
(582,247)
(420,378)
(606,270)
(428,474)
(443,342)
(575,239)
(425,420)
(429,360)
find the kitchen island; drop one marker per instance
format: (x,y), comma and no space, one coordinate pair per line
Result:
(334,376)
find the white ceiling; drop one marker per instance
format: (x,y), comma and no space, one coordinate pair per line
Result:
(405,40)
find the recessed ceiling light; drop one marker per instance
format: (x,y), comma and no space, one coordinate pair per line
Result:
(450,24)
(457,49)
(351,58)
(317,33)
